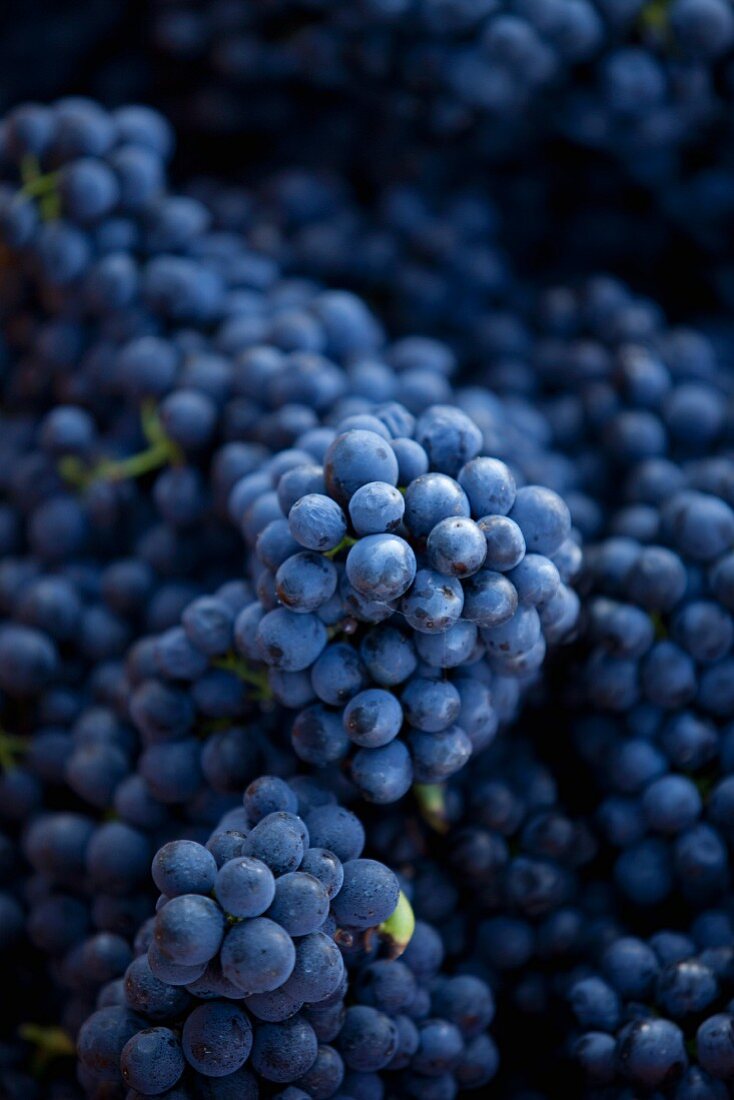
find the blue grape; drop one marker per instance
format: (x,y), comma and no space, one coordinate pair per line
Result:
(434,603)
(317,522)
(216,1039)
(189,929)
(305,581)
(183,867)
(376,508)
(257,955)
(369,894)
(355,459)
(373,718)
(290,641)
(300,905)
(381,567)
(431,498)
(152,1061)
(283,1052)
(457,547)
(244,887)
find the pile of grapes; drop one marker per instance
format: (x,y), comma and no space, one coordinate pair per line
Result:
(367,551)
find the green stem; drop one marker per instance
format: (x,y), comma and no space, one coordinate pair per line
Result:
(151,423)
(42,186)
(213,725)
(161,451)
(256,678)
(50,206)
(11,747)
(36,182)
(49,1043)
(660,628)
(654,18)
(398,929)
(431,799)
(137,465)
(345,544)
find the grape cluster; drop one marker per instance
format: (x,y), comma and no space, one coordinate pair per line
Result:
(382,611)
(625,394)
(240,975)
(659,660)
(613,117)
(504,873)
(656,1013)
(434,262)
(465,527)
(635,80)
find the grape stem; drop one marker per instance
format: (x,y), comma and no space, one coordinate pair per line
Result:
(40,185)
(161,451)
(397,930)
(48,1042)
(431,799)
(256,678)
(346,543)
(11,747)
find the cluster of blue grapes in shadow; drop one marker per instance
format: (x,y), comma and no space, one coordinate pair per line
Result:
(366,699)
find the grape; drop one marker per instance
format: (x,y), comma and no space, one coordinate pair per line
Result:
(300,905)
(189,929)
(430,499)
(368,1039)
(457,547)
(373,718)
(318,969)
(244,887)
(434,603)
(216,1039)
(385,774)
(182,867)
(355,459)
(368,896)
(381,567)
(376,508)
(325,867)
(489,599)
(305,581)
(290,641)
(279,840)
(284,1051)
(152,1061)
(336,829)
(317,522)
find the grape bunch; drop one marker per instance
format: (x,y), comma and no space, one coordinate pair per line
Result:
(434,261)
(604,125)
(656,1012)
(507,876)
(626,395)
(389,594)
(636,80)
(240,975)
